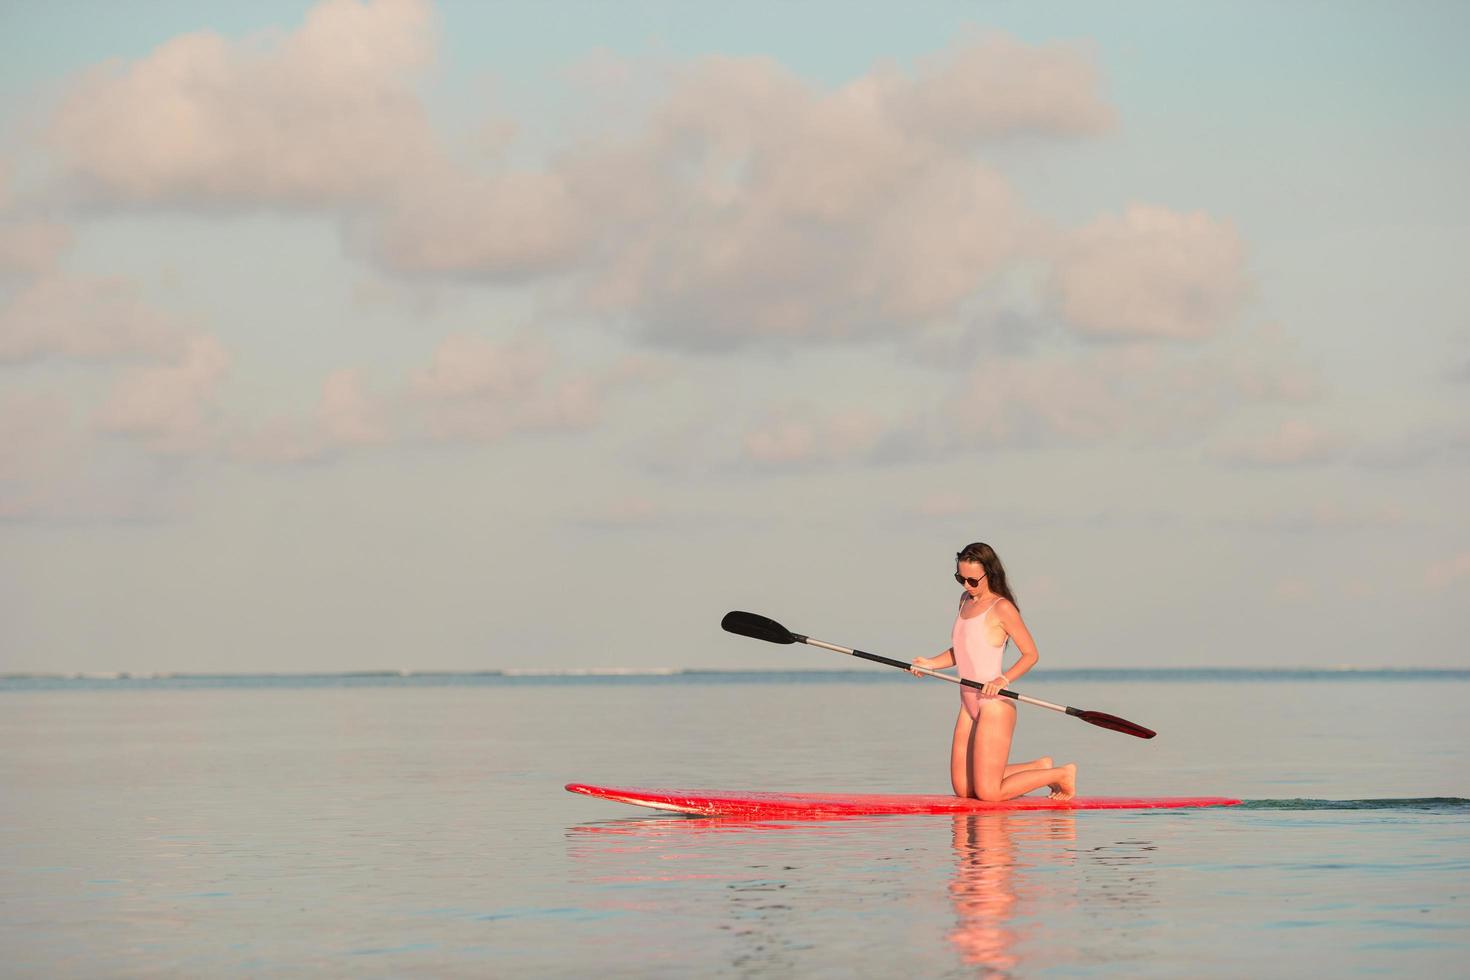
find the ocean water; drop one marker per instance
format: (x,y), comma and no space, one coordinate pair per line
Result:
(173,827)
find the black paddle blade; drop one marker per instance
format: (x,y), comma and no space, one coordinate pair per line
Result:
(756,627)
(1104,720)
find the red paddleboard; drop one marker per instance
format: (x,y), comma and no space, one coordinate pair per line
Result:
(796,806)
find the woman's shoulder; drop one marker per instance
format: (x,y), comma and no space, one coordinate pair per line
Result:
(1007,608)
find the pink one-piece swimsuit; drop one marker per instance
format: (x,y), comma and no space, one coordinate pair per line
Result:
(976,658)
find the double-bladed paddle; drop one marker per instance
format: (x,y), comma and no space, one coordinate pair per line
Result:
(761,628)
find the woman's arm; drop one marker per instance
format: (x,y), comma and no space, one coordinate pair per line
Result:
(937,662)
(1015,627)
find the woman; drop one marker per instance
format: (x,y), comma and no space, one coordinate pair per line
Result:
(988,618)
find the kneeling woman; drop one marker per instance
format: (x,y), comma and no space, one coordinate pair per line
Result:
(988,618)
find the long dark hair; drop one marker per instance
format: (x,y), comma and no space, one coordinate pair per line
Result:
(995,572)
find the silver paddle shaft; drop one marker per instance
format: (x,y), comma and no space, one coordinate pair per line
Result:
(925,670)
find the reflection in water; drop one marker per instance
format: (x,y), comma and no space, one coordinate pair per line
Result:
(759,891)
(761,923)
(991,889)
(1004,876)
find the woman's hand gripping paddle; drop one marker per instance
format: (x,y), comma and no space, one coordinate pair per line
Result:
(761,628)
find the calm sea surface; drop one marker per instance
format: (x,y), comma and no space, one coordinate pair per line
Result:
(409,827)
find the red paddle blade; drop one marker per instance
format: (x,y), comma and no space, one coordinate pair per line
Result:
(1104,720)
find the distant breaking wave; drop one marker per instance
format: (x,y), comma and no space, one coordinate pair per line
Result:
(1434,804)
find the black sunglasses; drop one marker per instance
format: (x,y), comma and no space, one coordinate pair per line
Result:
(973,583)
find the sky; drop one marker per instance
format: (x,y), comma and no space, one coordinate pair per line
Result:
(469,336)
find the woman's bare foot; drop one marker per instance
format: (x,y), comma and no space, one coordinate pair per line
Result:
(1066,787)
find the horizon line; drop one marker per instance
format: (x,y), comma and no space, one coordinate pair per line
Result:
(623,671)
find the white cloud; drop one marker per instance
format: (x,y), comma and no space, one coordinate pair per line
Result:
(754,204)
(797,436)
(348,416)
(472,390)
(634,511)
(566,405)
(1141,395)
(29,248)
(945,504)
(465,366)
(781,441)
(1293,442)
(1293,590)
(1448,572)
(84,319)
(1032,401)
(53,470)
(475,390)
(513,226)
(1267,366)
(993,86)
(169,408)
(746,203)
(1151,273)
(324,114)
